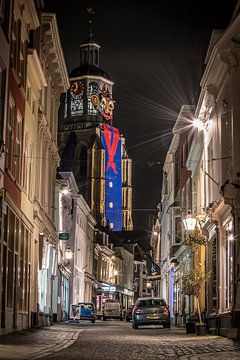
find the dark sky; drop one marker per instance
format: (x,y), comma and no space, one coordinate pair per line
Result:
(154,52)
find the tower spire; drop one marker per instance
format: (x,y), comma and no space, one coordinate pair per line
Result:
(90,20)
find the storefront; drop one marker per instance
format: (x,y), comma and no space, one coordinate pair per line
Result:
(114,292)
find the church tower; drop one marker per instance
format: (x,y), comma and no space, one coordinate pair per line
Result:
(89,145)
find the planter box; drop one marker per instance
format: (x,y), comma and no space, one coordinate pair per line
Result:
(190,328)
(201,329)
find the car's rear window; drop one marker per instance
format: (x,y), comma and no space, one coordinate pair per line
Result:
(151,302)
(86,306)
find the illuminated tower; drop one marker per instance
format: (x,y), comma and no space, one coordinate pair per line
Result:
(89,145)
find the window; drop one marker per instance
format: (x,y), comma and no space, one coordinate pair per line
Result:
(28,167)
(76,98)
(151,302)
(10,138)
(92,90)
(96,57)
(13,145)
(10,278)
(91,56)
(22,63)
(17,239)
(2,97)
(4,16)
(14,43)
(85,54)
(229,238)
(178,228)
(214,275)
(17,155)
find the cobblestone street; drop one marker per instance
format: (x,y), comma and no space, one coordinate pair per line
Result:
(115,340)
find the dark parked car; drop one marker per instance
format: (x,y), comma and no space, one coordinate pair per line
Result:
(129,313)
(150,311)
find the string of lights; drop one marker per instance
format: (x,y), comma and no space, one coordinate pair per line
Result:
(149,163)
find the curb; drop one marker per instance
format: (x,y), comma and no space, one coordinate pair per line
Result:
(55,348)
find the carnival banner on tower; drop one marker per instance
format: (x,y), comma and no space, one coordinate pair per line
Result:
(111,141)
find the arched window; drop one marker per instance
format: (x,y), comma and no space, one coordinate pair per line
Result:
(85,59)
(96,57)
(91,56)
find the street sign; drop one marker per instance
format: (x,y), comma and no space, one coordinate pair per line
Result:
(63,236)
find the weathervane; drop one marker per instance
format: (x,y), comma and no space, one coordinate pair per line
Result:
(91,13)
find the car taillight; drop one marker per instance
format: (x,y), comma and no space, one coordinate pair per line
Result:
(138,310)
(165,310)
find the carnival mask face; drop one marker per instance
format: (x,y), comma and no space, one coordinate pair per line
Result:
(104,103)
(107,107)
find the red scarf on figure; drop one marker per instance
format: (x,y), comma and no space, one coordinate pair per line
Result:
(112,148)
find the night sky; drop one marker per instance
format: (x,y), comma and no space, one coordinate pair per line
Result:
(154,52)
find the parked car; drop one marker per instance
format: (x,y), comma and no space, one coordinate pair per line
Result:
(128,316)
(112,310)
(150,311)
(83,311)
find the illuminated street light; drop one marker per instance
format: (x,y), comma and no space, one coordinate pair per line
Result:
(68,254)
(198,124)
(189,222)
(65,191)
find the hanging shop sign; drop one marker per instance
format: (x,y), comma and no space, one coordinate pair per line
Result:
(63,236)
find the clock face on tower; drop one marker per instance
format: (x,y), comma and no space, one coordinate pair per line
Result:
(76,96)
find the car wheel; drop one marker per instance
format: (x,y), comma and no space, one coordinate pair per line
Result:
(135,326)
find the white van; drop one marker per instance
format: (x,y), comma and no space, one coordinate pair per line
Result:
(112,310)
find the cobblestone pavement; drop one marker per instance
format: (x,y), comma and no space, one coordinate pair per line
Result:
(118,341)
(115,340)
(37,343)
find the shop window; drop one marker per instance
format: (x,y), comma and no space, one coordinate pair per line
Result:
(229,238)
(10,279)
(214,274)
(11,230)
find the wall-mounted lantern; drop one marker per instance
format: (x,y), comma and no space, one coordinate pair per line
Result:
(68,254)
(190,222)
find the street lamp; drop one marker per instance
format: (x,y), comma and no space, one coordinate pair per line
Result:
(193,231)
(190,222)
(198,123)
(68,254)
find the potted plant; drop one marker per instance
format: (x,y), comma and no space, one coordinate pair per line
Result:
(193,282)
(190,324)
